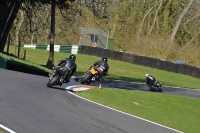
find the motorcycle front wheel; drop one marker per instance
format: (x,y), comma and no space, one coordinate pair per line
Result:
(86,79)
(53,81)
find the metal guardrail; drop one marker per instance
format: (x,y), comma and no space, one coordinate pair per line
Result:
(74,49)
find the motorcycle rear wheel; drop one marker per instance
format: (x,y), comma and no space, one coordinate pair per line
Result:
(160,89)
(151,89)
(53,81)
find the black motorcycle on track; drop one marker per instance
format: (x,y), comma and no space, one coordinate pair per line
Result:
(157,86)
(57,77)
(90,76)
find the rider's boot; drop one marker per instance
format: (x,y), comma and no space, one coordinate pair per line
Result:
(100,86)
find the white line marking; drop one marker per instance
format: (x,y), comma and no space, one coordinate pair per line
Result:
(7,129)
(126,113)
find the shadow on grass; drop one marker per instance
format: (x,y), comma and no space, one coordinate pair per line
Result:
(17,66)
(9,54)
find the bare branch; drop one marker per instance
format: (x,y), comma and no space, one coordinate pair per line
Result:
(175,29)
(156,14)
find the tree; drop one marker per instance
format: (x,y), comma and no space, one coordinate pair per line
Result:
(50,62)
(9,9)
(175,29)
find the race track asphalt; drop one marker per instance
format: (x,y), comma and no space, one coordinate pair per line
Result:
(28,106)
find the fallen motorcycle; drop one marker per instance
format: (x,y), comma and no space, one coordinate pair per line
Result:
(90,76)
(57,77)
(157,86)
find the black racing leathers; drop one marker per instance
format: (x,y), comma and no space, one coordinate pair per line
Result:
(102,68)
(70,66)
(150,80)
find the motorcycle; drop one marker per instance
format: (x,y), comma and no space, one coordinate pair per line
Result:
(157,86)
(57,77)
(90,76)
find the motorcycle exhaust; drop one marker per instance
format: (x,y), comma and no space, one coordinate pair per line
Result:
(93,79)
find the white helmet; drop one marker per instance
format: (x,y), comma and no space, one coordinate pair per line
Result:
(146,75)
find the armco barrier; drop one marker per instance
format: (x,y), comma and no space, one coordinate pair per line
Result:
(73,49)
(44,47)
(142,60)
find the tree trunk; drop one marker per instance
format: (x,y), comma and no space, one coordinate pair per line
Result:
(5,16)
(155,17)
(175,29)
(18,26)
(50,62)
(32,37)
(142,23)
(8,26)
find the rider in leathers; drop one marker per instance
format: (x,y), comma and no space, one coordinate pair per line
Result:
(70,66)
(150,80)
(102,68)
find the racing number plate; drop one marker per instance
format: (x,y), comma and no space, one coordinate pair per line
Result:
(92,71)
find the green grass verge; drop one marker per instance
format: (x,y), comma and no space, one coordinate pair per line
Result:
(181,113)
